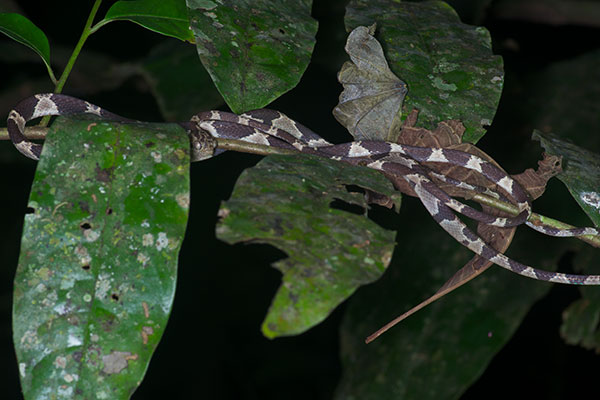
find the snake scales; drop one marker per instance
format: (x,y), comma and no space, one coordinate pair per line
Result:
(272,128)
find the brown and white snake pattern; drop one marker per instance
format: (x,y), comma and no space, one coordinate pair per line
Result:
(272,128)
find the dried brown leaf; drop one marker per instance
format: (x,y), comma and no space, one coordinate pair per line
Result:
(370,105)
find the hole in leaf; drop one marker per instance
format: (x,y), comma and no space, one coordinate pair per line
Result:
(85,226)
(355,189)
(384,217)
(114,296)
(338,204)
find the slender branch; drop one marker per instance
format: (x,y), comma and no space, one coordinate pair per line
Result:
(38,132)
(593,240)
(31,132)
(253,148)
(245,147)
(84,35)
(51,74)
(67,71)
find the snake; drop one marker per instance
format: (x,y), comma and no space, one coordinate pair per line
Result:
(272,128)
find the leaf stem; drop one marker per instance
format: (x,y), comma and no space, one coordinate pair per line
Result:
(67,71)
(245,147)
(253,148)
(51,74)
(84,35)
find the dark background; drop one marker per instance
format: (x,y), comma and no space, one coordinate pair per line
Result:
(213,347)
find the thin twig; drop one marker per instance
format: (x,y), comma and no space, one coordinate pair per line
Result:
(253,148)
(84,35)
(31,133)
(534,218)
(67,71)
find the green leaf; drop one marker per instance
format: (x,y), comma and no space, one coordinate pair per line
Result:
(180,84)
(286,201)
(167,17)
(449,66)
(98,264)
(254,50)
(441,350)
(22,30)
(370,106)
(581,172)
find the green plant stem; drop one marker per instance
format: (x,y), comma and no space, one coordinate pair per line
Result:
(87,31)
(51,74)
(245,147)
(31,133)
(84,35)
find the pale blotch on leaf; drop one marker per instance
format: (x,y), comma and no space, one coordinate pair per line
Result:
(91,235)
(183,200)
(370,105)
(146,332)
(437,82)
(60,362)
(65,391)
(147,239)
(143,258)
(82,252)
(116,361)
(74,341)
(157,157)
(102,286)
(162,241)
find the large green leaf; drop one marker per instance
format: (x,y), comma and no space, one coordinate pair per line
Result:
(286,201)
(22,30)
(98,264)
(254,50)
(581,172)
(167,17)
(448,66)
(441,350)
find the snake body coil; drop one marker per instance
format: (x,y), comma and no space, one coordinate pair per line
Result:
(272,128)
